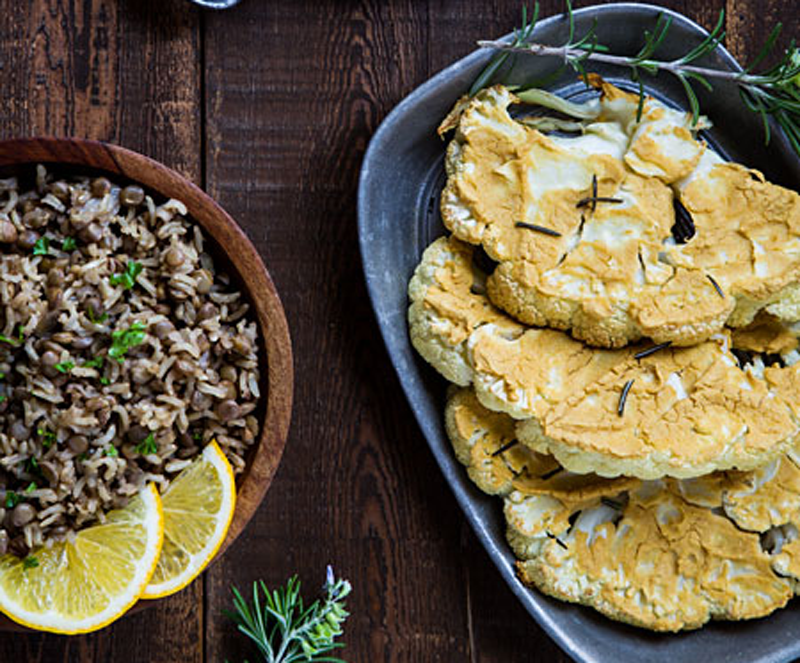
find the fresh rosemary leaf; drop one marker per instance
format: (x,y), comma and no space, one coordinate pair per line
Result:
(283,629)
(505,447)
(521,37)
(651,350)
(623,397)
(593,200)
(538,229)
(773,92)
(557,540)
(716,285)
(611,503)
(550,474)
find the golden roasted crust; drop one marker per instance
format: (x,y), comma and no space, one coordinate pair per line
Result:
(485,443)
(690,411)
(615,274)
(664,555)
(659,563)
(444,310)
(766,334)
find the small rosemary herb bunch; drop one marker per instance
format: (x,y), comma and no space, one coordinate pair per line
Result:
(772,93)
(284,630)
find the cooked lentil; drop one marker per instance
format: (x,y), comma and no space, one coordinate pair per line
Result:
(96,367)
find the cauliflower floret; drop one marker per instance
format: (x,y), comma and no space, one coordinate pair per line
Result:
(586,230)
(665,555)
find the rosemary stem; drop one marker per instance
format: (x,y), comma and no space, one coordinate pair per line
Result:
(674,67)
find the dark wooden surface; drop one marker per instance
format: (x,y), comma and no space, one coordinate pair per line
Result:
(269,107)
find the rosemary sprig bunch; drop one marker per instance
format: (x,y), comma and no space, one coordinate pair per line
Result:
(285,631)
(773,92)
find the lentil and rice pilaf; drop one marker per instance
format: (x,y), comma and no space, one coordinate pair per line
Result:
(122,353)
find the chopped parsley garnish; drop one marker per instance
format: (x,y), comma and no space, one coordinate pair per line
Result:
(111,450)
(42,246)
(20,334)
(65,366)
(97,362)
(197,437)
(12,499)
(48,437)
(31,487)
(69,244)
(124,339)
(30,562)
(10,341)
(2,397)
(33,466)
(94,318)
(82,456)
(2,376)
(128,278)
(147,445)
(105,381)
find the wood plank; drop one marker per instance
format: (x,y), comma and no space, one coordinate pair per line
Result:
(128,74)
(749,24)
(288,120)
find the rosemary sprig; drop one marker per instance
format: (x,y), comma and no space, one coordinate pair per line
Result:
(521,37)
(284,630)
(773,92)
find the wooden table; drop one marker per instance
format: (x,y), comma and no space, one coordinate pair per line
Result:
(270,107)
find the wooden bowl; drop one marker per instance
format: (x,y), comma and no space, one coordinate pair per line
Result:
(120,164)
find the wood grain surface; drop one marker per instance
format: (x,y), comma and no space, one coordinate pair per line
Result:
(269,106)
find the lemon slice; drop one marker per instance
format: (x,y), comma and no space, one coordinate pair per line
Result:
(198,509)
(83,585)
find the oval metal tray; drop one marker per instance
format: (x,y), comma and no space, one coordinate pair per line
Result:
(398,215)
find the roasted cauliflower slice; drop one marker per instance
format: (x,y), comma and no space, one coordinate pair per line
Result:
(448,302)
(585,229)
(485,443)
(665,555)
(687,412)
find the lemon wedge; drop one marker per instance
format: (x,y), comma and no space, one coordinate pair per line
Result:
(198,509)
(84,585)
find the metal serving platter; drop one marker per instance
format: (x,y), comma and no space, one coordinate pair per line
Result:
(398,215)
